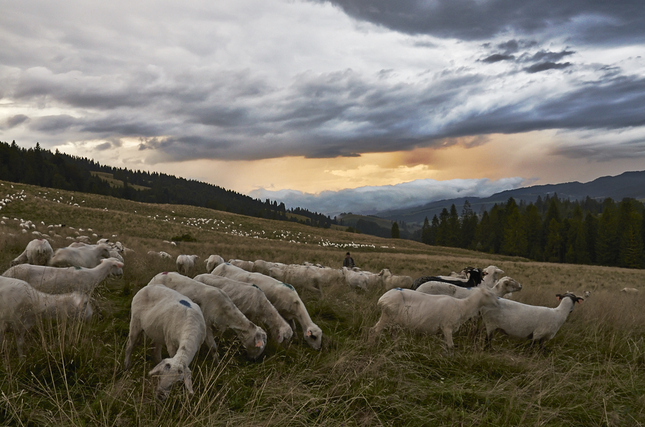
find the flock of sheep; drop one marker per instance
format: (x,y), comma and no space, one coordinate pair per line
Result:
(182,313)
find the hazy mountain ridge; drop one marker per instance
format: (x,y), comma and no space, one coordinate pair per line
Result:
(628,184)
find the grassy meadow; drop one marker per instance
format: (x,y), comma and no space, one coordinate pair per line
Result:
(591,374)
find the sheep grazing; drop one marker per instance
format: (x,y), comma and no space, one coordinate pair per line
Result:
(300,277)
(525,321)
(264,267)
(283,297)
(253,303)
(160,254)
(212,262)
(186,264)
(629,290)
(88,256)
(171,319)
(430,313)
(56,280)
(37,252)
(220,313)
(504,286)
(22,306)
(391,281)
(474,278)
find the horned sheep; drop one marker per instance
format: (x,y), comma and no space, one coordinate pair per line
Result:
(37,252)
(220,313)
(55,280)
(430,313)
(171,319)
(283,297)
(22,306)
(523,321)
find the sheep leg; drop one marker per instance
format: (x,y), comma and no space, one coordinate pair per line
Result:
(211,344)
(20,341)
(133,337)
(378,328)
(447,335)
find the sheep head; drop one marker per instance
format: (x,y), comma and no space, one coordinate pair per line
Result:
(169,372)
(313,336)
(256,343)
(510,284)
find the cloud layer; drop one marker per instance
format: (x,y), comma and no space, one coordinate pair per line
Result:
(252,80)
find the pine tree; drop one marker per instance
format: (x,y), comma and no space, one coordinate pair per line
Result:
(394,232)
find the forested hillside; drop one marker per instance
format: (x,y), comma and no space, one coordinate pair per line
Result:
(57,170)
(588,232)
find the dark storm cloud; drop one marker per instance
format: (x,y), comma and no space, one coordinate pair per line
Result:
(497,57)
(545,66)
(16,120)
(587,21)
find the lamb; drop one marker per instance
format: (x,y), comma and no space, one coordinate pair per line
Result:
(220,313)
(391,281)
(525,321)
(253,303)
(212,262)
(283,297)
(430,313)
(504,286)
(474,275)
(37,252)
(186,264)
(56,280)
(170,318)
(87,256)
(22,306)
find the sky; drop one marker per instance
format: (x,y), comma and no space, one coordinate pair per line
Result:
(334,106)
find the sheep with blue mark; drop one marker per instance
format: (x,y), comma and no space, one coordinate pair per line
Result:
(220,313)
(171,319)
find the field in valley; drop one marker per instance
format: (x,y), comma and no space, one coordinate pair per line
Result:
(591,374)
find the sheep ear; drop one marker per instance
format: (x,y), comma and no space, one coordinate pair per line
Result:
(308,333)
(188,380)
(159,368)
(259,343)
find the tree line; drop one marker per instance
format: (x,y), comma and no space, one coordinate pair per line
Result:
(603,232)
(41,167)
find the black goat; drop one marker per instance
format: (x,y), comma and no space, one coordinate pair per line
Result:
(474,278)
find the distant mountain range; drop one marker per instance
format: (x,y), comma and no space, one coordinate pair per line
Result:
(628,184)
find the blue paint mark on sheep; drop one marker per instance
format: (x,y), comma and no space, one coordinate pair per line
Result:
(289,286)
(184,302)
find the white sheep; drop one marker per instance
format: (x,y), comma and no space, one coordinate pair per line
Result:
(243,264)
(504,286)
(300,277)
(264,267)
(171,319)
(22,306)
(212,262)
(430,313)
(629,290)
(283,297)
(391,281)
(253,303)
(360,279)
(186,264)
(525,321)
(160,254)
(87,256)
(220,313)
(491,275)
(55,280)
(37,252)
